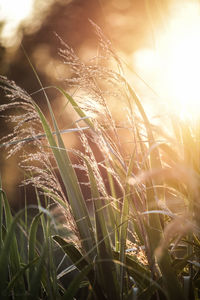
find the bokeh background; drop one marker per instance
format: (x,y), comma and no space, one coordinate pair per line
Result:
(143,32)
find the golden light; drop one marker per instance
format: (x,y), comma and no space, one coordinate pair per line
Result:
(173,68)
(13,13)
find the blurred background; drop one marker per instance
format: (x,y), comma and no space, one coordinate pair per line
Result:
(158,40)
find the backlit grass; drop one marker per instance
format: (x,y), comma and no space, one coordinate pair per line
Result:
(140,240)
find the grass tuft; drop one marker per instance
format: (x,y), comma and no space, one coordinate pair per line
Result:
(134,243)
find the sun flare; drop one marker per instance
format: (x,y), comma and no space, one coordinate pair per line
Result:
(177,61)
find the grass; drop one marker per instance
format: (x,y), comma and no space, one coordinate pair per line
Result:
(133,243)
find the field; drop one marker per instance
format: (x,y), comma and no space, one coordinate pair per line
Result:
(136,234)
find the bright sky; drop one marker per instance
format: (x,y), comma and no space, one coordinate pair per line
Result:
(173,68)
(13,12)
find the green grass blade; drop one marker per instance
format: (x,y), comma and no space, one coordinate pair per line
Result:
(75,283)
(137,271)
(76,107)
(36,279)
(1,216)
(140,274)
(72,186)
(170,280)
(107,268)
(155,229)
(154,155)
(81,263)
(114,213)
(122,245)
(71,251)
(124,228)
(6,259)
(14,257)
(32,242)
(21,272)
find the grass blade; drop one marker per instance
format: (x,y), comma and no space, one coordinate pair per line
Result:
(6,257)
(75,283)
(70,181)
(32,243)
(81,263)
(107,269)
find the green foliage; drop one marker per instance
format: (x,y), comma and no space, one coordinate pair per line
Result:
(23,276)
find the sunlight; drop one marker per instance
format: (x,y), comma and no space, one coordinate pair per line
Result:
(178,57)
(13,13)
(180,49)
